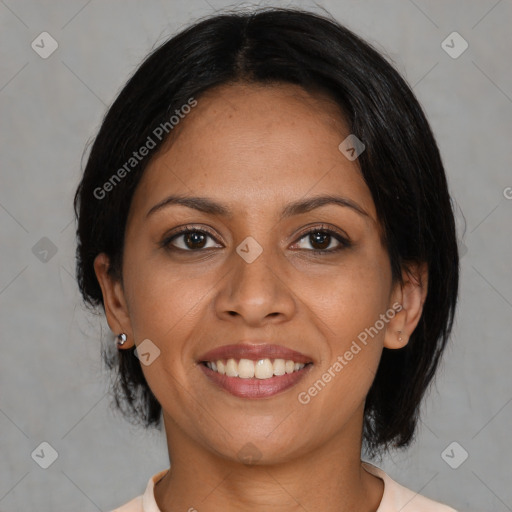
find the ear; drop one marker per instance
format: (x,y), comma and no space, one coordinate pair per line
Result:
(411,295)
(116,309)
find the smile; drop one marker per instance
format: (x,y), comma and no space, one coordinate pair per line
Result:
(248,369)
(251,369)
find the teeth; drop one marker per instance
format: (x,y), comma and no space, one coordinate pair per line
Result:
(245,368)
(263,369)
(231,368)
(248,369)
(279,367)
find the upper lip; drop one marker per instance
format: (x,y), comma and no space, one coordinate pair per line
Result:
(254,351)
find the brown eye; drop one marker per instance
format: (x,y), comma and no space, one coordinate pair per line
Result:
(190,240)
(322,241)
(195,240)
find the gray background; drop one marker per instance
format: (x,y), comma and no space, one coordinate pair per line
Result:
(52,384)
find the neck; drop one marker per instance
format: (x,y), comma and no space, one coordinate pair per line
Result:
(329,478)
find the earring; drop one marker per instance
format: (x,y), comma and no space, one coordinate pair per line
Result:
(121,339)
(400,337)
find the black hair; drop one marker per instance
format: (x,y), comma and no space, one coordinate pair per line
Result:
(401,166)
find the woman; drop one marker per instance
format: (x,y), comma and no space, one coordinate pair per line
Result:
(264,218)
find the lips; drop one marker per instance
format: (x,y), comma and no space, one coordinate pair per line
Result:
(254,352)
(245,369)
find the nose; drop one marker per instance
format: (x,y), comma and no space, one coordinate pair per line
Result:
(255,293)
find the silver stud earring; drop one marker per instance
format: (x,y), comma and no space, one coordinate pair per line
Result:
(400,337)
(121,339)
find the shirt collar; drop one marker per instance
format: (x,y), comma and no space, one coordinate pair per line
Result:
(148,498)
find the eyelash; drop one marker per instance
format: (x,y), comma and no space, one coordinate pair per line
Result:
(344,242)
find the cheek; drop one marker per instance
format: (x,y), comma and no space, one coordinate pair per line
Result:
(350,308)
(352,298)
(348,317)
(161,299)
(165,308)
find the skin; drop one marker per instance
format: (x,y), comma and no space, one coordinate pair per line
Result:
(255,149)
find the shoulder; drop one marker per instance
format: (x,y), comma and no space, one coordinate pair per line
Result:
(134,505)
(396,497)
(145,502)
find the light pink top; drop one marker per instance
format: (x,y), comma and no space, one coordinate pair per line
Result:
(395,498)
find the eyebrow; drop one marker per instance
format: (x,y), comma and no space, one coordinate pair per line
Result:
(206,205)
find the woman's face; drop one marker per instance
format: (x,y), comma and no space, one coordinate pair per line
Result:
(249,274)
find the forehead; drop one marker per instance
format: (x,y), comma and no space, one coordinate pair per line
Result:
(276,143)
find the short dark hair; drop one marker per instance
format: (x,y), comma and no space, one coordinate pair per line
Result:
(401,166)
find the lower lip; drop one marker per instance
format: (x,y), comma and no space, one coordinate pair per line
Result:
(255,388)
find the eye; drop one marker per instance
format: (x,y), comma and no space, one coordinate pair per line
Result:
(318,240)
(190,239)
(322,240)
